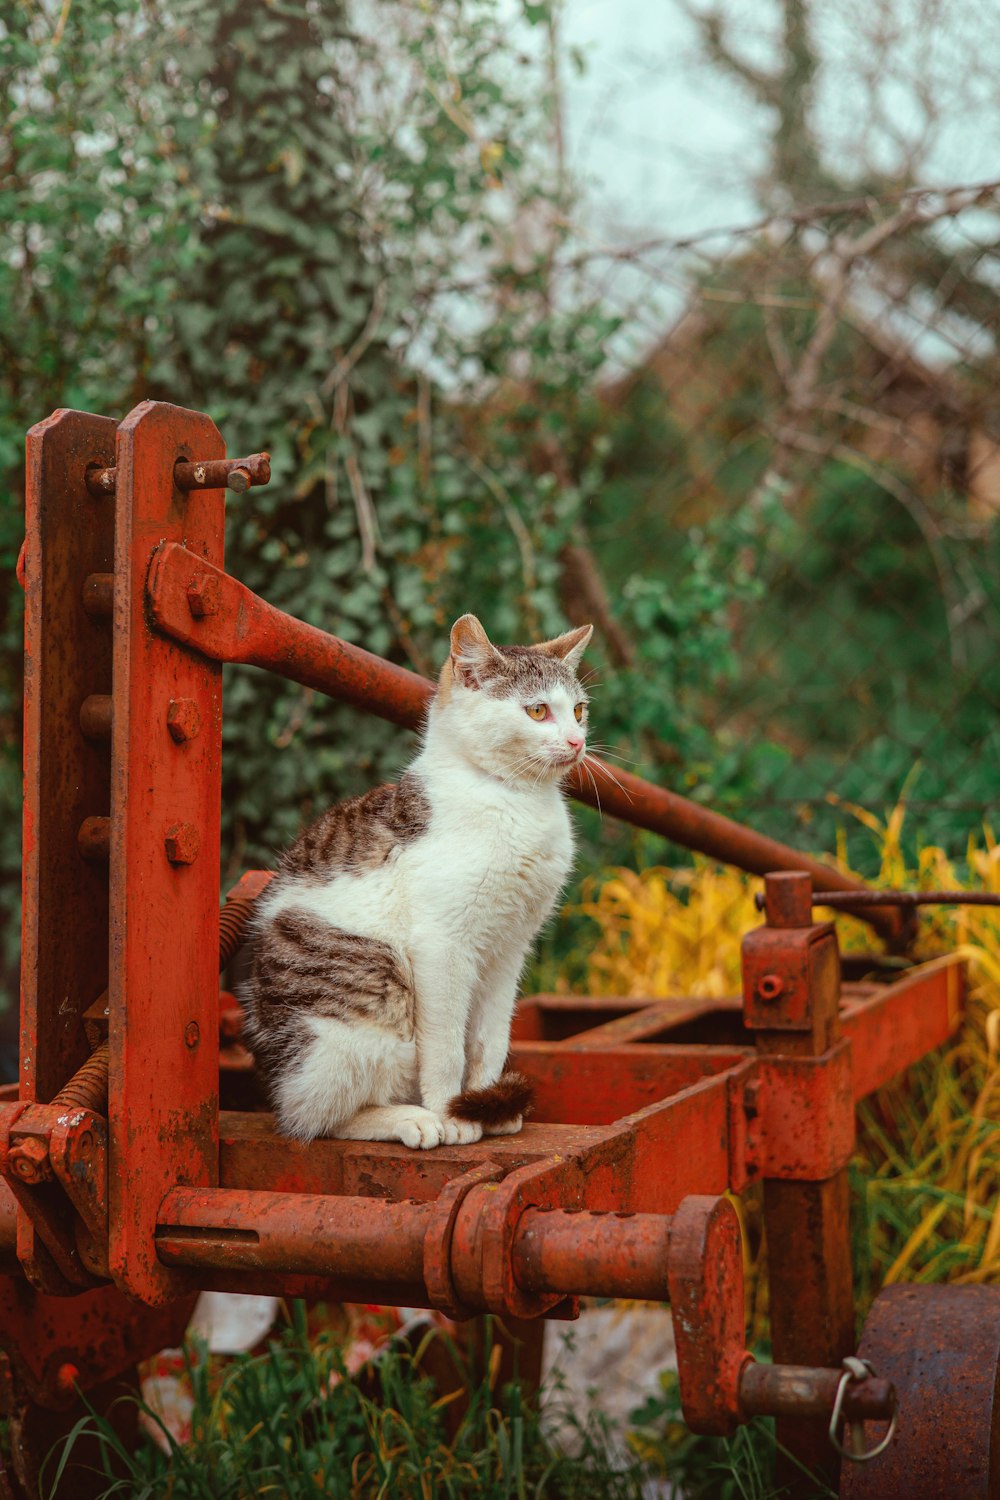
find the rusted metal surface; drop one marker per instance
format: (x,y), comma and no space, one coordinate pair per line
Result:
(806,1213)
(781,969)
(581,1253)
(98,597)
(787,898)
(165,814)
(69,537)
(242,627)
(236,912)
(707,1299)
(799,1391)
(806,1109)
(88,1088)
(302,1233)
(67,657)
(902,1022)
(837,900)
(100,1332)
(93,840)
(95,716)
(940,1346)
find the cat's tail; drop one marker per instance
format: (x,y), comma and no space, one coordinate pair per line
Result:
(501,1103)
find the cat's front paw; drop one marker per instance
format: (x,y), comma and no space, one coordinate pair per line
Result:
(507,1127)
(421,1129)
(461,1132)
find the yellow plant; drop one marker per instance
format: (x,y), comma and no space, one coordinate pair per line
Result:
(927,1166)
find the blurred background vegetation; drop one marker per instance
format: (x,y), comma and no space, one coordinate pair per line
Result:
(766,462)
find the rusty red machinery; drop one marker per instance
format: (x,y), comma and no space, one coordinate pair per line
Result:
(137,1169)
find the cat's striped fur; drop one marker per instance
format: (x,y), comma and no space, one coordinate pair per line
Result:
(388,947)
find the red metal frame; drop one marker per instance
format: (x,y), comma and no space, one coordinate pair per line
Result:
(647,1113)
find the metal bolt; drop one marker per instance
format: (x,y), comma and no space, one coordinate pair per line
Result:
(192,1034)
(182,843)
(85,1143)
(30,1160)
(238,480)
(770,986)
(183,719)
(93,839)
(95,716)
(99,595)
(204,595)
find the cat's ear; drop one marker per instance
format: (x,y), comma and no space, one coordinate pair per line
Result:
(569,647)
(471,651)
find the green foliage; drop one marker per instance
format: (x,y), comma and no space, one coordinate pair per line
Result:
(333,228)
(291,1422)
(740,1467)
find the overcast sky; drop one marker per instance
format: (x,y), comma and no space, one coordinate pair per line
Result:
(667,145)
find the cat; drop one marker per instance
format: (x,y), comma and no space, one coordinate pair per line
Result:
(388,948)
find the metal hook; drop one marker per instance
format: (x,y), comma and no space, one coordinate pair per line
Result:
(856,1369)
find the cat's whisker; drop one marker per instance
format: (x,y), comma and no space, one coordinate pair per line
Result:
(600,809)
(600,766)
(603,751)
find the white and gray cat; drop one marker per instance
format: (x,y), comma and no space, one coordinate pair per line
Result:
(388,947)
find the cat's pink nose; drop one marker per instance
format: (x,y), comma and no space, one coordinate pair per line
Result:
(575,741)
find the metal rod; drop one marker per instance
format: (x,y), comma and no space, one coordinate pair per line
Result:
(295,1233)
(592,1254)
(237,474)
(841,899)
(801,1391)
(245,628)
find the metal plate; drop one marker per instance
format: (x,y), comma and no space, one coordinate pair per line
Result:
(940,1346)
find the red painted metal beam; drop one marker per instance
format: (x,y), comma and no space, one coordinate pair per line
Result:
(903,1022)
(239,626)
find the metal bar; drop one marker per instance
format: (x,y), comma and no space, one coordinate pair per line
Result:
(294,1233)
(165,819)
(902,1023)
(840,900)
(237,474)
(576,1084)
(802,1391)
(592,1254)
(807,1223)
(242,627)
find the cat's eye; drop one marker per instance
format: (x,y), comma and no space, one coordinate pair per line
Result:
(536,711)
(578,712)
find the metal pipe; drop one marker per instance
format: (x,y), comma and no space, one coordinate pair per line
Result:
(246,629)
(294,1233)
(801,1391)
(592,1254)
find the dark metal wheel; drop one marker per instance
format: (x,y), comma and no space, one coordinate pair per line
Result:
(940,1346)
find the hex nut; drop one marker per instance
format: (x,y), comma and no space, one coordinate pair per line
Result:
(29,1160)
(181,843)
(183,719)
(204,595)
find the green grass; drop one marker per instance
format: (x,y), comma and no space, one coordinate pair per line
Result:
(290,1423)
